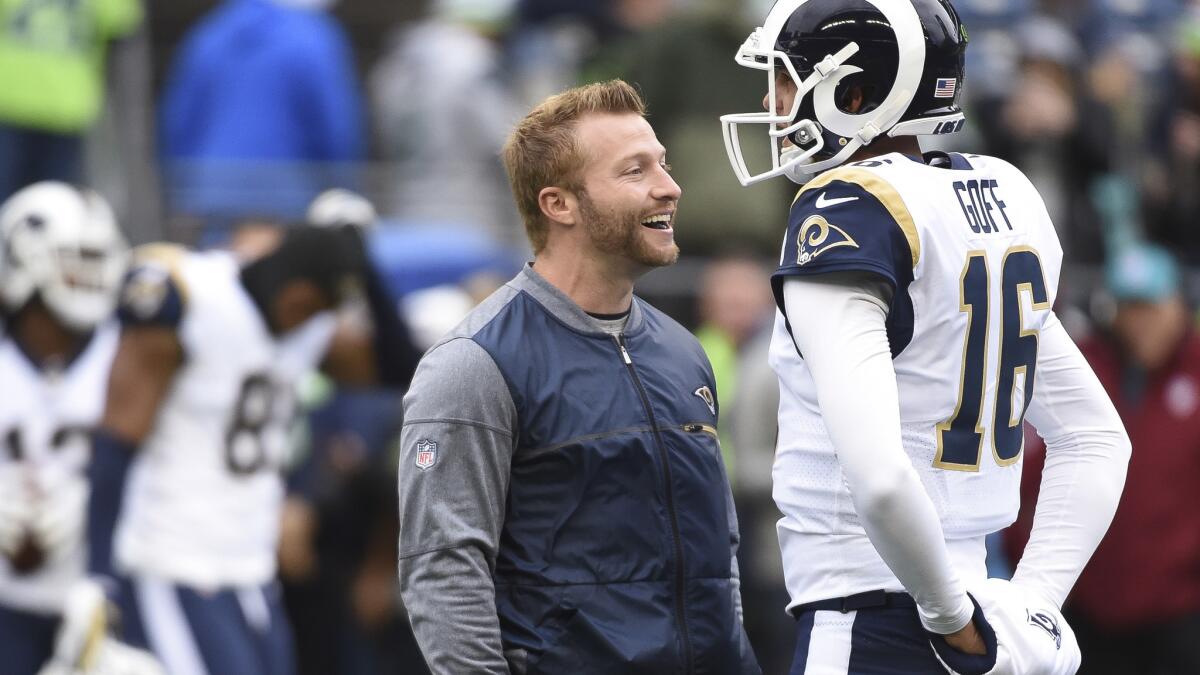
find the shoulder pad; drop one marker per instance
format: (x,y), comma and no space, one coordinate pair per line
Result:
(855,193)
(153,292)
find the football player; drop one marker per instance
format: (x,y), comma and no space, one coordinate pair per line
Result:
(63,257)
(194,435)
(915,335)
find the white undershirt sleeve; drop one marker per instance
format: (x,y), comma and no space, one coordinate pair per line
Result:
(842,337)
(1087,454)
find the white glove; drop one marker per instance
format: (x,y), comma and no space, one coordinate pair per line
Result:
(58,520)
(16,508)
(111,658)
(1032,638)
(83,646)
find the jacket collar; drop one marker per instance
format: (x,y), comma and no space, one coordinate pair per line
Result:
(564,308)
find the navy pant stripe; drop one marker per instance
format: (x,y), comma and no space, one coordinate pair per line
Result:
(276,647)
(132,628)
(26,641)
(890,641)
(883,641)
(220,631)
(804,628)
(209,631)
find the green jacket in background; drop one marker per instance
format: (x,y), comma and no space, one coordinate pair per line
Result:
(52,60)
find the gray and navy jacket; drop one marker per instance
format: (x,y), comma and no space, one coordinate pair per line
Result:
(563,504)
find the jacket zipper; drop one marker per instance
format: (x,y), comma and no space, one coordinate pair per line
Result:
(696,428)
(662,453)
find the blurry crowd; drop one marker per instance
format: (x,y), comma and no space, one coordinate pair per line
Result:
(196,117)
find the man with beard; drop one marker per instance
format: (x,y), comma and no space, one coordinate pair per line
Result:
(563,504)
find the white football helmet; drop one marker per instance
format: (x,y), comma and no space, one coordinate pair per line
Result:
(63,244)
(338,206)
(906,57)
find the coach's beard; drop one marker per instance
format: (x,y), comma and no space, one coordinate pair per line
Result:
(620,233)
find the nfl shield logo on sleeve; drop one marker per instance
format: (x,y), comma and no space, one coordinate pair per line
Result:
(427,453)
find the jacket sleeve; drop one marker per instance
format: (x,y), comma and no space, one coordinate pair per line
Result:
(749,663)
(455,454)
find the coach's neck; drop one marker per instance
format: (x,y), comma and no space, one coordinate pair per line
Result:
(599,283)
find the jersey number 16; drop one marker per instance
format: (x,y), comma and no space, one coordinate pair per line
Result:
(961,438)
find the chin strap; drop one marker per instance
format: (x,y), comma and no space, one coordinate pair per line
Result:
(868,133)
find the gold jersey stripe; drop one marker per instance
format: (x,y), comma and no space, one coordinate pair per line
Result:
(881,190)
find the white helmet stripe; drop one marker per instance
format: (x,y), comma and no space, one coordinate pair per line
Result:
(911,41)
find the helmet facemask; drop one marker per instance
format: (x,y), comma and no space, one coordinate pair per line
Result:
(886,42)
(784,130)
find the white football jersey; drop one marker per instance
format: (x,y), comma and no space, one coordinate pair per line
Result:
(45,420)
(974,260)
(202,504)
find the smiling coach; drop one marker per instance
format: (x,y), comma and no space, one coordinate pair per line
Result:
(563,504)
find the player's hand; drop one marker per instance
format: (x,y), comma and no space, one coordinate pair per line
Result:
(15,511)
(1032,638)
(84,626)
(112,658)
(83,645)
(58,519)
(968,640)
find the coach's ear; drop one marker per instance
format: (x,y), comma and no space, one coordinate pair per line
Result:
(559,205)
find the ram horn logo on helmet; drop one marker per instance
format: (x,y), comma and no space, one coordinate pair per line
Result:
(904,58)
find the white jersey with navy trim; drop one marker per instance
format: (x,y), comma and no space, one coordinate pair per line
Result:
(203,500)
(973,259)
(45,419)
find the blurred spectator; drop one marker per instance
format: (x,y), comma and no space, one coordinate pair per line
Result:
(993,50)
(735,310)
(338,552)
(684,66)
(433,312)
(752,424)
(52,84)
(735,301)
(443,109)
(1173,202)
(1045,123)
(557,40)
(1104,23)
(261,111)
(1136,608)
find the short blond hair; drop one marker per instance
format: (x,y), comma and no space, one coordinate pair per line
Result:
(543,149)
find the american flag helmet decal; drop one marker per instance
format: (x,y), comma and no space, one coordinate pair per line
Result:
(945,88)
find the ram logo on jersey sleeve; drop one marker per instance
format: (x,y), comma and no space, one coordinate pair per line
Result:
(851,220)
(145,292)
(152,293)
(817,236)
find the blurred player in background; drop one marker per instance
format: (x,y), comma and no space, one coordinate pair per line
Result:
(198,406)
(915,294)
(63,258)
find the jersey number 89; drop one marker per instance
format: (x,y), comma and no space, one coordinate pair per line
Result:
(960,439)
(246,442)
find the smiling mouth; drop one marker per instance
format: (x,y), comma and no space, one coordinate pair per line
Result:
(659,222)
